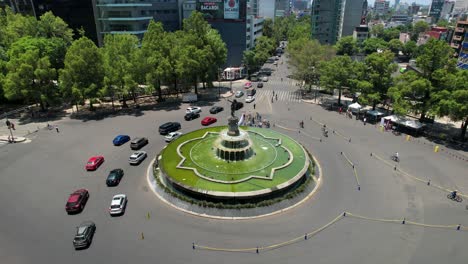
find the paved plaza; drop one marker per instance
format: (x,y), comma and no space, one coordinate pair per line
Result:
(37,177)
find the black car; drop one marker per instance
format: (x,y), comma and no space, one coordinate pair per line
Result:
(260,85)
(138,143)
(169,127)
(216,109)
(191,116)
(251,92)
(84,235)
(114,177)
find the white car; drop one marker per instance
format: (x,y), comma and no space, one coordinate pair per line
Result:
(265,79)
(137,157)
(275,63)
(118,204)
(171,136)
(250,99)
(193,109)
(239,94)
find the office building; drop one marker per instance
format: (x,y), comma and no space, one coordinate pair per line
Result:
(133,17)
(283,8)
(267,9)
(413,9)
(252,8)
(19,6)
(447,10)
(77,14)
(436,9)
(236,28)
(461,6)
(188,6)
(397,2)
(334,19)
(352,16)
(300,5)
(381,7)
(327,20)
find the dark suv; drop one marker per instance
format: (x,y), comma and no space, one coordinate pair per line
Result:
(138,143)
(239,105)
(168,127)
(84,235)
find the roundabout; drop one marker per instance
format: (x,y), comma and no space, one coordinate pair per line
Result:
(234,165)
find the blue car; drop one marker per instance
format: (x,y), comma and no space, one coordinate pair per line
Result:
(120,139)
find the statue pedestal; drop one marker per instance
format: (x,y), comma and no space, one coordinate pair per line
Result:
(233,123)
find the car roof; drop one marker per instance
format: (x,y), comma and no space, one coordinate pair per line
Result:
(117,199)
(74,197)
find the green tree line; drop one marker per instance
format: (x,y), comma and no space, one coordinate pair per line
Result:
(41,63)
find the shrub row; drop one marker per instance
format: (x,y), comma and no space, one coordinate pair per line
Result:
(207,204)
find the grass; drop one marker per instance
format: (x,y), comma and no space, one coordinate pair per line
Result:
(211,166)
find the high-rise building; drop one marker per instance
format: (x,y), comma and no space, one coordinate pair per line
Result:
(397,2)
(238,29)
(19,6)
(447,10)
(133,17)
(333,19)
(381,7)
(266,9)
(77,14)
(413,9)
(436,9)
(461,6)
(283,8)
(300,5)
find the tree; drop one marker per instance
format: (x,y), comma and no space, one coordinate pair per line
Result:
(453,99)
(210,51)
(371,45)
(83,73)
(377,31)
(50,26)
(395,45)
(268,27)
(14,26)
(337,73)
(442,23)
(306,56)
(346,46)
(391,33)
(118,53)
(409,49)
(435,61)
(30,60)
(419,27)
(151,53)
(379,69)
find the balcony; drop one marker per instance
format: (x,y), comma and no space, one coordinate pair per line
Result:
(457,38)
(454,45)
(459,30)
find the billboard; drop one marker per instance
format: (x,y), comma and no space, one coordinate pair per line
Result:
(223,10)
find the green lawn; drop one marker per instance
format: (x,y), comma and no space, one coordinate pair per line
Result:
(203,158)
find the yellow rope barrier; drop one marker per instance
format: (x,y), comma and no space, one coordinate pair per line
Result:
(311,234)
(404,173)
(354,170)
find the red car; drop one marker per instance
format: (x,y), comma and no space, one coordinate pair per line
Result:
(77,201)
(94,162)
(208,121)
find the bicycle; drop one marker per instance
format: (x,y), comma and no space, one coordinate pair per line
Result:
(395,158)
(457,198)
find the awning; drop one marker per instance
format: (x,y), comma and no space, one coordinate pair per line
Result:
(375,113)
(354,106)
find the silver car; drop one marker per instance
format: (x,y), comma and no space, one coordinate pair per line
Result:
(118,204)
(137,157)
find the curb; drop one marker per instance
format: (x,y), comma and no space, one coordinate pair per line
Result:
(149,175)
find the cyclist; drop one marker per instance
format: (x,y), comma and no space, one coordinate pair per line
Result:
(454,194)
(396,157)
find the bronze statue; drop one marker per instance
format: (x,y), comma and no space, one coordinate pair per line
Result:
(233,106)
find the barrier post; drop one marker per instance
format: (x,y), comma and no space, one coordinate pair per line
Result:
(408,137)
(436,149)
(257,250)
(404,221)
(193,245)
(305,237)
(142,236)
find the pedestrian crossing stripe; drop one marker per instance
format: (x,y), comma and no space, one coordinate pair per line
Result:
(285,96)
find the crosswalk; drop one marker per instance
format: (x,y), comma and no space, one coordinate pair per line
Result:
(285,96)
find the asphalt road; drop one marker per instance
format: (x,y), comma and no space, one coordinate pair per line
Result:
(36,179)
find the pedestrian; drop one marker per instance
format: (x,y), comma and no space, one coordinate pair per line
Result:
(365,120)
(276,97)
(281,78)
(272,99)
(56,128)
(254,106)
(341,109)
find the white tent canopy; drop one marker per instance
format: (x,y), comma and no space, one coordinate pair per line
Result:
(354,107)
(403,121)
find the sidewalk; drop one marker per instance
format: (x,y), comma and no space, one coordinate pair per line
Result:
(17,139)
